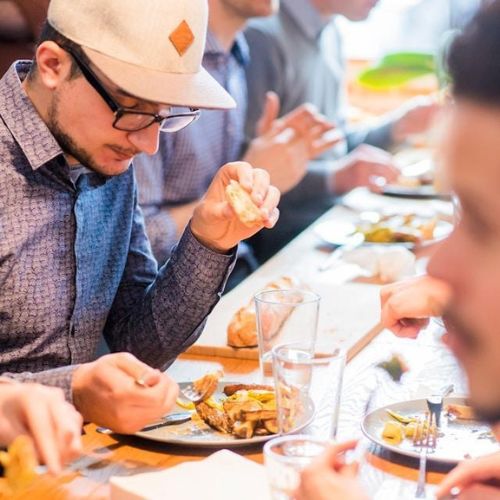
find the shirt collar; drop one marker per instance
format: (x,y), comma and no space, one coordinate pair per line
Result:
(239,50)
(22,119)
(306,16)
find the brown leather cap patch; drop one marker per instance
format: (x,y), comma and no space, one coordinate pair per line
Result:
(182,38)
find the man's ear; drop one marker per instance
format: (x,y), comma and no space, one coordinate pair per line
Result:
(53,64)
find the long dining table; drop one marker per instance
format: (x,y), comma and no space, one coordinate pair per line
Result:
(366,386)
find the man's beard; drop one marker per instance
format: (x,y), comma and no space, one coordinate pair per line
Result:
(68,145)
(458,327)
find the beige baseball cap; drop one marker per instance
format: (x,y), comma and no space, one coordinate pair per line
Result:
(152,49)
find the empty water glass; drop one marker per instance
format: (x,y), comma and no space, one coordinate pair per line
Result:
(285,457)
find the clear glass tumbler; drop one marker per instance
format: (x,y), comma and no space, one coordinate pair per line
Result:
(284,316)
(285,457)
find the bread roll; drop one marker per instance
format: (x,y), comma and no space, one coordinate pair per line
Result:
(242,204)
(242,329)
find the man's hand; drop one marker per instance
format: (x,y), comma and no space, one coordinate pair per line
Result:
(416,117)
(106,392)
(285,146)
(470,476)
(408,305)
(181,215)
(365,166)
(214,222)
(41,413)
(329,478)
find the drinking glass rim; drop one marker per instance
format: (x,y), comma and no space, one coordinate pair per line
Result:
(313,296)
(291,437)
(340,352)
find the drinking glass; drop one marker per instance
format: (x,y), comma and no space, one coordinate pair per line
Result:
(284,316)
(308,387)
(285,457)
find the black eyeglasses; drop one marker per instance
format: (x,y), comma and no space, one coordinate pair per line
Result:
(130,120)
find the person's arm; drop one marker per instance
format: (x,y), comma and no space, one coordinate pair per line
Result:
(157,315)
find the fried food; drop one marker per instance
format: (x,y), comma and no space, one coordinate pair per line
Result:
(393,432)
(244,413)
(229,390)
(207,384)
(20,463)
(241,202)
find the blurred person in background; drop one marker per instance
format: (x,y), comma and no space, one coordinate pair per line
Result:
(464,272)
(298,54)
(21,22)
(173,181)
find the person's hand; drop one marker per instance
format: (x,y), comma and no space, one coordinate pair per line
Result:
(416,117)
(41,413)
(470,478)
(214,222)
(365,166)
(329,478)
(284,146)
(407,305)
(107,392)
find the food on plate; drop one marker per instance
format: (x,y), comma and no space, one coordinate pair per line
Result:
(207,384)
(241,202)
(401,418)
(393,432)
(245,411)
(398,229)
(461,412)
(242,329)
(20,464)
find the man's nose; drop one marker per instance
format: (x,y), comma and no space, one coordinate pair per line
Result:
(147,139)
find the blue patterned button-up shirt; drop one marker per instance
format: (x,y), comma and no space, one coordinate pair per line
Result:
(75,261)
(187,161)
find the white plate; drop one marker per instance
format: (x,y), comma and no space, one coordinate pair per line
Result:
(340,233)
(198,434)
(458,439)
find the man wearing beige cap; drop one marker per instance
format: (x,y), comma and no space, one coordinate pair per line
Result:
(75,262)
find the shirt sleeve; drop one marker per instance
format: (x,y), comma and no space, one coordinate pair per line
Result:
(57,377)
(156,315)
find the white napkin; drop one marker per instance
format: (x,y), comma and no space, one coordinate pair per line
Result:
(224,475)
(389,263)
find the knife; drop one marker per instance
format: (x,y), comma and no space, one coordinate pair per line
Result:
(354,242)
(172,419)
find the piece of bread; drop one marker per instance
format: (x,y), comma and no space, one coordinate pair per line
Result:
(246,210)
(242,329)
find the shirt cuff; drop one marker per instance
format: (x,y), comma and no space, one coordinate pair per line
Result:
(58,377)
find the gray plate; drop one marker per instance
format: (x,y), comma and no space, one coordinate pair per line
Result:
(196,433)
(340,233)
(458,439)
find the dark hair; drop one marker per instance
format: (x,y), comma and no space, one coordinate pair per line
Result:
(474,57)
(48,33)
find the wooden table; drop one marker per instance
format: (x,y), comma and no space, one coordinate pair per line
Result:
(365,387)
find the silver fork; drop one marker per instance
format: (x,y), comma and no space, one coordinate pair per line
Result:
(191,394)
(425,438)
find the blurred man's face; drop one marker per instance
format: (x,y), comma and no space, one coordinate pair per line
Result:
(354,10)
(251,8)
(469,261)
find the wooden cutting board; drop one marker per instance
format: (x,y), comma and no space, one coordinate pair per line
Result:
(349,313)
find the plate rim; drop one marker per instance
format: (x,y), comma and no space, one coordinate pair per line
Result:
(229,443)
(458,399)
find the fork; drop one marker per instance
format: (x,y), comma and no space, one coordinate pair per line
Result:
(425,438)
(189,393)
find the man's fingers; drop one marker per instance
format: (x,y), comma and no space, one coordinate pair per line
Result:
(40,424)
(260,187)
(269,113)
(140,372)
